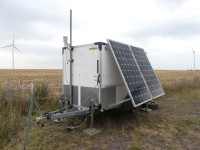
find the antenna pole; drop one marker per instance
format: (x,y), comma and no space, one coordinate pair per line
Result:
(70,27)
(71,89)
(13,57)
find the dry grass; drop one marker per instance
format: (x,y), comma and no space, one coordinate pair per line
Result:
(15,97)
(181,84)
(175,125)
(53,77)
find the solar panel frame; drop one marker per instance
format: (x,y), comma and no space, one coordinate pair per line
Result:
(145,66)
(127,84)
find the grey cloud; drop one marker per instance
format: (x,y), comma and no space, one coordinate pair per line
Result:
(29,10)
(20,17)
(171,28)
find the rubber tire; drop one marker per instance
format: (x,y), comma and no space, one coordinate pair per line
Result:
(153,105)
(127,106)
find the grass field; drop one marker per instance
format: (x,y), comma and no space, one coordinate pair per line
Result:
(175,125)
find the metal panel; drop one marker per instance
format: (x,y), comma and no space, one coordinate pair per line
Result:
(121,93)
(137,89)
(147,71)
(88,93)
(75,93)
(108,96)
(66,89)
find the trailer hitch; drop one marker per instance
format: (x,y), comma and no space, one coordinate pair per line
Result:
(41,120)
(62,114)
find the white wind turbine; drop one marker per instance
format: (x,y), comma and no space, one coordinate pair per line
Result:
(13,51)
(194,58)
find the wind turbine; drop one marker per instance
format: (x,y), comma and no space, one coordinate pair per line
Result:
(13,51)
(194,58)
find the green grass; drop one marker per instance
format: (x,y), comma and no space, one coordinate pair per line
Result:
(41,91)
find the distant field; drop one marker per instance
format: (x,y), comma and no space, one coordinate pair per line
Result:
(175,75)
(53,77)
(175,125)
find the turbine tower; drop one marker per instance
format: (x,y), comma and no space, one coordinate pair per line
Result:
(194,58)
(13,51)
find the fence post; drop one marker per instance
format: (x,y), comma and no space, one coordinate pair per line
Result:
(29,116)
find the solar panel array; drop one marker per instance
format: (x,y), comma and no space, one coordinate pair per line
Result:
(147,71)
(130,72)
(138,75)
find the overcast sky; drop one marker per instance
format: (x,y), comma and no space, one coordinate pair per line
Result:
(168,30)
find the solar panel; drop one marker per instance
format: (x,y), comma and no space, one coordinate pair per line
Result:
(133,79)
(148,72)
(137,72)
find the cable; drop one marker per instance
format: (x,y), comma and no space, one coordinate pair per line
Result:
(85,100)
(36,104)
(68,127)
(46,97)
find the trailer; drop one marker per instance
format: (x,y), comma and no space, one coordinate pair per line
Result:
(102,76)
(95,74)
(111,74)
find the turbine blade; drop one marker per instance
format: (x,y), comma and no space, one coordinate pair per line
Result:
(14,40)
(17,49)
(6,46)
(193,50)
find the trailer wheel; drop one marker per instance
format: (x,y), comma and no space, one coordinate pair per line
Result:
(127,106)
(131,110)
(151,105)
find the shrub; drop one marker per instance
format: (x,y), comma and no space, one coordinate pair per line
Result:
(41,91)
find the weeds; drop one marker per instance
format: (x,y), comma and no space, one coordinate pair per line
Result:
(14,107)
(12,112)
(41,91)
